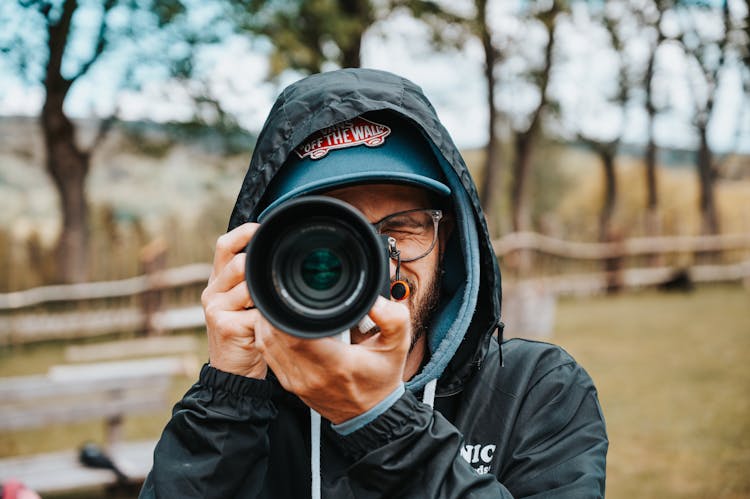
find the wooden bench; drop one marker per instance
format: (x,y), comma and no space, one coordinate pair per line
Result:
(107,391)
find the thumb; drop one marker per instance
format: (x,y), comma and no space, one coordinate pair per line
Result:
(392,318)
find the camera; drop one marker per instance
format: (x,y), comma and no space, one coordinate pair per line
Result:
(315,266)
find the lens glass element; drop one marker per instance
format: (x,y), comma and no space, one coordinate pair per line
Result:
(321,269)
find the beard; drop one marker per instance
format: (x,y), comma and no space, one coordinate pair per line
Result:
(421,309)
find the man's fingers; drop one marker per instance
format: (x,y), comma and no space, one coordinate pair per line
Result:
(278,342)
(392,318)
(231,323)
(237,298)
(230,244)
(296,361)
(231,274)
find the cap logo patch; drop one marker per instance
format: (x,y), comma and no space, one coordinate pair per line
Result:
(358,131)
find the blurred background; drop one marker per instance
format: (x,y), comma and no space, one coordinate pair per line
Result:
(609,140)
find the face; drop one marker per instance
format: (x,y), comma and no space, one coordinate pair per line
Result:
(423,275)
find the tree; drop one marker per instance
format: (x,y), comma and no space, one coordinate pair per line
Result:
(66,162)
(450,30)
(524,137)
(528,127)
(308,35)
(606,147)
(492,59)
(709,55)
(59,39)
(651,19)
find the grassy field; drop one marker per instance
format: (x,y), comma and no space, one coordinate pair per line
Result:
(673,373)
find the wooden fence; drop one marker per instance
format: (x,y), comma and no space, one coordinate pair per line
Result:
(627,247)
(166,300)
(630,263)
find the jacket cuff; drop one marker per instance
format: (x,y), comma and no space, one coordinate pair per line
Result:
(404,417)
(350,426)
(240,386)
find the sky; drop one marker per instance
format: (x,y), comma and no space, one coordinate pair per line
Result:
(453,81)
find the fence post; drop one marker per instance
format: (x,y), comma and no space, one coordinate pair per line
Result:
(614,264)
(153,262)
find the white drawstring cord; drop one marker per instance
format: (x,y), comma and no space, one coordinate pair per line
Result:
(315,437)
(315,453)
(428,397)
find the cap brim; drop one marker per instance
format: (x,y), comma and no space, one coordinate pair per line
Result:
(371,177)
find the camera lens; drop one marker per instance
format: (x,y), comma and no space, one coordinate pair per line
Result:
(321,269)
(315,267)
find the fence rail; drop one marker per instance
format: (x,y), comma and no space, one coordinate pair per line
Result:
(593,283)
(172,278)
(627,247)
(25,316)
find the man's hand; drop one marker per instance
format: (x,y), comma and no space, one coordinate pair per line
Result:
(231,328)
(337,380)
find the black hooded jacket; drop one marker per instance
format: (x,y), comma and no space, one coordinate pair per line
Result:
(520,419)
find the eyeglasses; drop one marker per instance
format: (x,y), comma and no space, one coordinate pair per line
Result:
(415,232)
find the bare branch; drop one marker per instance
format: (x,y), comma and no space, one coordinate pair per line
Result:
(101,41)
(720,163)
(57,39)
(648,85)
(549,19)
(105,126)
(600,147)
(709,73)
(43,6)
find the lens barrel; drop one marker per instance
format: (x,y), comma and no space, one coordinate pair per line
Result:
(315,266)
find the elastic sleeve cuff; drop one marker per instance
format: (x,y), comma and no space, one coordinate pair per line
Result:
(357,422)
(240,386)
(405,416)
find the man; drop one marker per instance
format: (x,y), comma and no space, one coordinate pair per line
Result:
(519,420)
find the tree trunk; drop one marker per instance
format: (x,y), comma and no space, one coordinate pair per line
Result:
(359,14)
(610,193)
(653,218)
(350,57)
(521,213)
(653,223)
(65,162)
(491,164)
(68,167)
(709,214)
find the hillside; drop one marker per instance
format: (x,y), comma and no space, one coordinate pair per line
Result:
(144,177)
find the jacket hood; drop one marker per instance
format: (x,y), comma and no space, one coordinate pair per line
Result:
(469,311)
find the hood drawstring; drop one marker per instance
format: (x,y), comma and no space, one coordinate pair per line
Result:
(345,337)
(428,397)
(315,453)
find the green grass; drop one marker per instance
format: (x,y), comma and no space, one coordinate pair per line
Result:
(672,370)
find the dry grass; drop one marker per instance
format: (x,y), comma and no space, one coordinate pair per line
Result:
(678,197)
(674,378)
(672,373)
